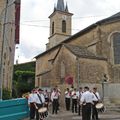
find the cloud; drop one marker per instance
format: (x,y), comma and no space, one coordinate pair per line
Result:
(34,34)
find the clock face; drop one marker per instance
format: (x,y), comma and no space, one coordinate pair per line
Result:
(64,17)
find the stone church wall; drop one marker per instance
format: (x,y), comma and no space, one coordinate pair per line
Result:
(43,65)
(92,70)
(98,41)
(64,65)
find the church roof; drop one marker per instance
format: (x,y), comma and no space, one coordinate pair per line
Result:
(115,15)
(60,6)
(112,18)
(82,52)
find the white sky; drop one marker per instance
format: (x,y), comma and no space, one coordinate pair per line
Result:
(34,31)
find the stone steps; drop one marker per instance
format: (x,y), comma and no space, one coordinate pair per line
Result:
(113,108)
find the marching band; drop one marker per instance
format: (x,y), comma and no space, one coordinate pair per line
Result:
(82,101)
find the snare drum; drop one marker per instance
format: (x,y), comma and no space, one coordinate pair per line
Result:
(100,107)
(43,112)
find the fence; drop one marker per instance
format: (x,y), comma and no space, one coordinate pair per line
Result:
(15,109)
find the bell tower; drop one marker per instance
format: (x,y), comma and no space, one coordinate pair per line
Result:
(60,24)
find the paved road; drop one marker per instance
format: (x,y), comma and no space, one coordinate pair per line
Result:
(64,115)
(70,116)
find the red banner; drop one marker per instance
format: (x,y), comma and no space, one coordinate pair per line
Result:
(17,22)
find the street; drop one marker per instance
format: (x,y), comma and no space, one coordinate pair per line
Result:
(68,115)
(64,115)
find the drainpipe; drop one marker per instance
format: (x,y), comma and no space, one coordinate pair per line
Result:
(78,72)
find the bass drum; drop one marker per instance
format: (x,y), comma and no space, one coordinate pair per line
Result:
(43,112)
(100,107)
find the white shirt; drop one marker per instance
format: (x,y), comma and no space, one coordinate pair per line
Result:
(74,95)
(87,97)
(96,97)
(46,94)
(55,95)
(79,94)
(31,98)
(37,100)
(67,94)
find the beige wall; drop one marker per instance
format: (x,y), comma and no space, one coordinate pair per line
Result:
(64,65)
(92,70)
(8,35)
(44,64)
(56,39)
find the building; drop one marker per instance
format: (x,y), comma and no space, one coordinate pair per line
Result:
(87,56)
(9,37)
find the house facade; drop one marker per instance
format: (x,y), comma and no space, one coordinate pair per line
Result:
(9,37)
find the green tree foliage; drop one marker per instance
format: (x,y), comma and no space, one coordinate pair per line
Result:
(24,78)
(6,94)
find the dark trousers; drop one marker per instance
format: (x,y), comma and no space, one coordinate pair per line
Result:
(94,112)
(46,102)
(86,111)
(74,105)
(55,106)
(67,102)
(79,109)
(32,111)
(37,114)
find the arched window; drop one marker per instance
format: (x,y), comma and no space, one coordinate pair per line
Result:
(116,48)
(64,26)
(52,27)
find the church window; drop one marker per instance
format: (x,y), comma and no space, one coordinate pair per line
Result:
(116,48)
(52,27)
(64,26)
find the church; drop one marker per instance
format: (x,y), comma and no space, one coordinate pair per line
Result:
(89,57)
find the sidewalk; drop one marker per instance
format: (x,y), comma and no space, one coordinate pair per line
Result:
(65,115)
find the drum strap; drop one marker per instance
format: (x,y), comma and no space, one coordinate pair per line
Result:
(96,96)
(39,98)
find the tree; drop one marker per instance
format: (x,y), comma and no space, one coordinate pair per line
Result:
(24,78)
